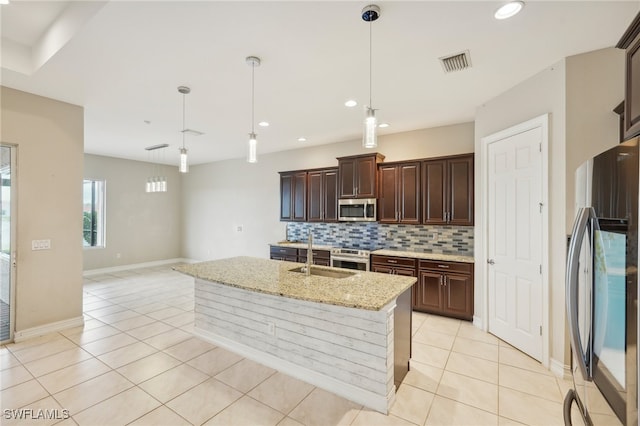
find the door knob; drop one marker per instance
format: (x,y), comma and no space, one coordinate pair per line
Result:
(491,261)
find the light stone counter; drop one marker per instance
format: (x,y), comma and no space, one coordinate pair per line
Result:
(425,255)
(301,245)
(364,290)
(350,336)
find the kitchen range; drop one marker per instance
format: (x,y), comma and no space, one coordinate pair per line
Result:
(351,258)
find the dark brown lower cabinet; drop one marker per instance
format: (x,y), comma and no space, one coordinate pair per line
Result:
(320,257)
(445,288)
(394,265)
(289,254)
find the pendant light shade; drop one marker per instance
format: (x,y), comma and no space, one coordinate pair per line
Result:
(252,147)
(184,161)
(369,137)
(252,151)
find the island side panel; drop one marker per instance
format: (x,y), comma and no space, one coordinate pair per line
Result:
(402,336)
(344,350)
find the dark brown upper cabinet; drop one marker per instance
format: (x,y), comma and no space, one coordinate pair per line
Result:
(293,196)
(357,175)
(447,190)
(322,195)
(630,41)
(399,193)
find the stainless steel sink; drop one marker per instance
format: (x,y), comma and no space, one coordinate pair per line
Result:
(329,273)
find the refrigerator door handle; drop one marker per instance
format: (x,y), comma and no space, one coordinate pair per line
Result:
(577,236)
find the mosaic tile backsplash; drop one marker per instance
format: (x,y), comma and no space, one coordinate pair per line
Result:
(373,235)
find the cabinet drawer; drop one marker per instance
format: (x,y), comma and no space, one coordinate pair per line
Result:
(463,268)
(394,261)
(284,251)
(319,254)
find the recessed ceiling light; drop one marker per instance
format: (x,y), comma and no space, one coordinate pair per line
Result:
(263,124)
(4,1)
(508,10)
(301,139)
(350,103)
(383,125)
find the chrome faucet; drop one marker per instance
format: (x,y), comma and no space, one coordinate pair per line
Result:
(309,254)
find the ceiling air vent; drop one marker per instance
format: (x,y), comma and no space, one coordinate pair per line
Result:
(456,62)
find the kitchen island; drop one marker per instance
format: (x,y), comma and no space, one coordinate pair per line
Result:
(348,333)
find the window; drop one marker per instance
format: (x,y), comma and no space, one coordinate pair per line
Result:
(93,209)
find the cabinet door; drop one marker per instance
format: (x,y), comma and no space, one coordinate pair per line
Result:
(460,193)
(388,201)
(434,188)
(458,298)
(315,196)
(286,184)
(366,177)
(347,176)
(409,193)
(382,269)
(632,95)
(405,272)
(330,196)
(299,192)
(429,292)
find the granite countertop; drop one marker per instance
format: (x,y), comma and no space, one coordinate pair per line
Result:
(300,245)
(363,290)
(425,255)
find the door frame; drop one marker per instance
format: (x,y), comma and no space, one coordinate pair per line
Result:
(14,239)
(541,122)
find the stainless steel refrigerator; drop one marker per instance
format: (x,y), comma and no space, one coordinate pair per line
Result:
(602,290)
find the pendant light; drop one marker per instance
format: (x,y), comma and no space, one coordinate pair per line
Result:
(157,182)
(369,137)
(252,149)
(184,163)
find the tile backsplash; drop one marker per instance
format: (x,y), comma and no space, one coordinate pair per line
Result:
(426,238)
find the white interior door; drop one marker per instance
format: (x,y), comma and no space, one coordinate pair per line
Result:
(514,240)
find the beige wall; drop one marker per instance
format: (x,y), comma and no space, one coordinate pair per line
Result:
(579,93)
(140,226)
(49,138)
(219,197)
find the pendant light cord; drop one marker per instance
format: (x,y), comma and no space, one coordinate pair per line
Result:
(253,70)
(183,117)
(370,61)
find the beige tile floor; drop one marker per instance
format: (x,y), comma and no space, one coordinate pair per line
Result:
(136,362)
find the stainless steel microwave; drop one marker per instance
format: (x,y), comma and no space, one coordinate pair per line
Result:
(353,210)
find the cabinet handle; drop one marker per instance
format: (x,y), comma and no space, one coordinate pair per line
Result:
(392,261)
(440,279)
(443,266)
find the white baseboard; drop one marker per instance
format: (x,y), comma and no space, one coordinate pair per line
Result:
(119,268)
(560,369)
(346,390)
(477,321)
(52,327)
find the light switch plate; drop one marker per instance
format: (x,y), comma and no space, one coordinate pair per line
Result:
(40,244)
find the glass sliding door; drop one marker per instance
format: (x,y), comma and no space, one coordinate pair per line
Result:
(7,247)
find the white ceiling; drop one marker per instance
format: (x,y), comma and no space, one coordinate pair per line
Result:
(123,61)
